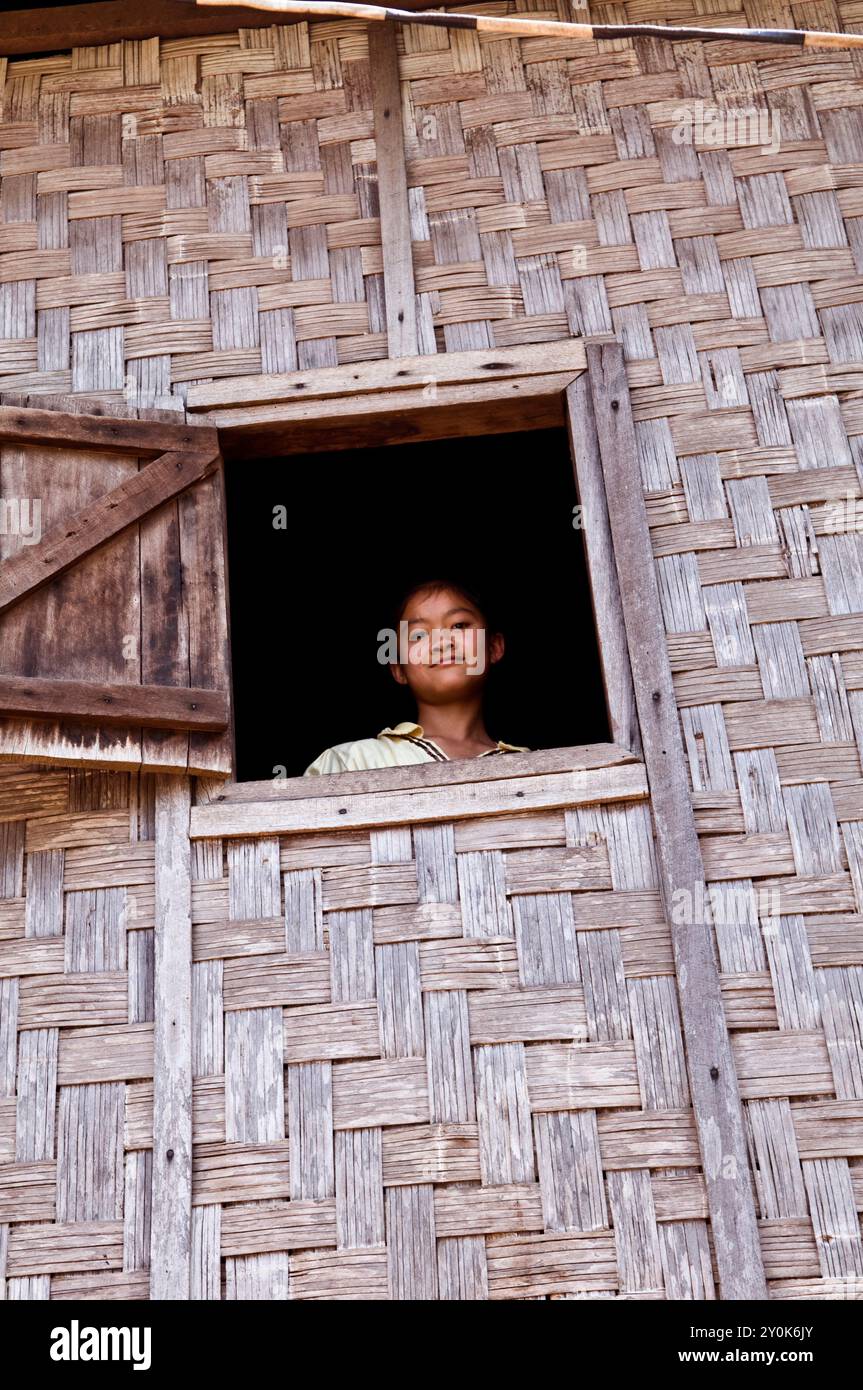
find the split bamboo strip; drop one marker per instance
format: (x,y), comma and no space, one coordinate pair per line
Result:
(524,27)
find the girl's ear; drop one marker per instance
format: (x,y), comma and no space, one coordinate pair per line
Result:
(399,675)
(496,647)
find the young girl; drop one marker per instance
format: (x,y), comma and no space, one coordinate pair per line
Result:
(445,648)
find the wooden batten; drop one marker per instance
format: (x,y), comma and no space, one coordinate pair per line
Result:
(599,553)
(397,260)
(409,375)
(400,401)
(624,782)
(503,407)
(171,1256)
(112,434)
(582,758)
(154,706)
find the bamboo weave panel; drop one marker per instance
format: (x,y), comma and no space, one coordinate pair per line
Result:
(731,274)
(179,211)
(77,863)
(451,1066)
(744,356)
(439,1062)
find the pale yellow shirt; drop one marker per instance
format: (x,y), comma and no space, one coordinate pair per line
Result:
(396,747)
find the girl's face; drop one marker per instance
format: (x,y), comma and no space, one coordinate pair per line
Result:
(445,649)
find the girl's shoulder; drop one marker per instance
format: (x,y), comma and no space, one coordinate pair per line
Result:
(358,755)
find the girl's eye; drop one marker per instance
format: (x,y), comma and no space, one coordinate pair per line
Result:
(416,636)
(461,624)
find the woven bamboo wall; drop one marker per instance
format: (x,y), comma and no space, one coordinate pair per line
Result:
(148,193)
(733,279)
(462,1080)
(439,1061)
(551,197)
(77,863)
(184,210)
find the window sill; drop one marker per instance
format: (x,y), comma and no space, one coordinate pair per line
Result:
(541,780)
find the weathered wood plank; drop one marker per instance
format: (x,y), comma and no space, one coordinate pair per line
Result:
(392,417)
(103,432)
(203,547)
(599,552)
(624,783)
(399,289)
(170,1270)
(55,30)
(582,757)
(39,638)
(152,706)
(712,1076)
(360,378)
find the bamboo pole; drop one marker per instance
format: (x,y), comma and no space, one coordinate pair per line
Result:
(522,26)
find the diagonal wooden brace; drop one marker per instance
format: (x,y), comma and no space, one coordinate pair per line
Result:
(66,544)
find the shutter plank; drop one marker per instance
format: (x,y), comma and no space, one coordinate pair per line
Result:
(203,548)
(164,631)
(73,629)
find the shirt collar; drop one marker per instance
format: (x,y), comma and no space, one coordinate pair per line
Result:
(409,730)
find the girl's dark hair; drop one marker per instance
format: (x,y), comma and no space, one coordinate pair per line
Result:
(435,583)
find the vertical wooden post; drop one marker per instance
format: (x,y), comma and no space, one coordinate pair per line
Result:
(604,589)
(170,1255)
(710,1064)
(399,287)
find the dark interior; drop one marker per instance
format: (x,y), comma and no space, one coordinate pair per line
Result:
(308,601)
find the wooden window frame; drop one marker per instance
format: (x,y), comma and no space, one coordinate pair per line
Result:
(453,395)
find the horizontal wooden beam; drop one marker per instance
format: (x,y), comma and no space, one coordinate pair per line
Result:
(51,30)
(459,801)
(66,544)
(60,430)
(396,417)
(150,706)
(581,758)
(388,374)
(48,30)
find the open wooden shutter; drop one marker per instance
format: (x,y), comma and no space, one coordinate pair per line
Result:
(113,624)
